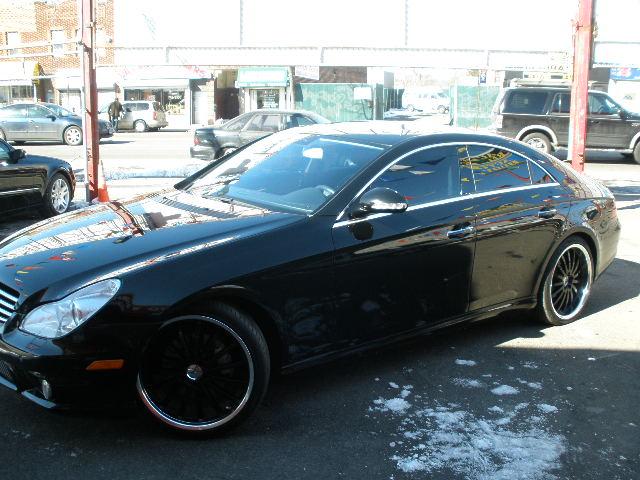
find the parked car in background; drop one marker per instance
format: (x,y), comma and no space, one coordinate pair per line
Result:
(139,116)
(426,101)
(539,116)
(214,142)
(33,181)
(23,122)
(307,245)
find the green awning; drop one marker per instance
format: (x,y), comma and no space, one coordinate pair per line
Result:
(262,77)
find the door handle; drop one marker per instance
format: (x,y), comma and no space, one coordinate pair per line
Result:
(547,213)
(462,232)
(593,122)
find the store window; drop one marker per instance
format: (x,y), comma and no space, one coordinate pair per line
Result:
(268,98)
(12,38)
(171,100)
(57,36)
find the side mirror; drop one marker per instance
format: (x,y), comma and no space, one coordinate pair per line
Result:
(379,200)
(127,109)
(52,117)
(16,155)
(623,114)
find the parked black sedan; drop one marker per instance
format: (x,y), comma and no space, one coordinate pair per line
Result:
(22,122)
(213,142)
(301,247)
(34,181)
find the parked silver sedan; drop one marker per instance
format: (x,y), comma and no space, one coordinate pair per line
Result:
(22,122)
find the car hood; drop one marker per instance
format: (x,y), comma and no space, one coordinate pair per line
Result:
(59,255)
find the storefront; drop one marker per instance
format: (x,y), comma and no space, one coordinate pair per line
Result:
(17,82)
(264,87)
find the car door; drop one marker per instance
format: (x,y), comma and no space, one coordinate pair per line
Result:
(14,122)
(520,211)
(559,117)
(406,270)
(260,126)
(605,127)
(43,124)
(126,120)
(16,180)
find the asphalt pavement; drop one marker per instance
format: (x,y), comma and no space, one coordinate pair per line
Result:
(504,398)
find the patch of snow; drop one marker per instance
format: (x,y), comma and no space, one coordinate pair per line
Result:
(530,365)
(546,408)
(569,388)
(395,405)
(377,379)
(510,367)
(487,375)
(405,393)
(535,385)
(467,383)
(505,390)
(591,359)
(495,409)
(393,385)
(468,363)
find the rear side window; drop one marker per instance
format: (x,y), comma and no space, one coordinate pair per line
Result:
(425,176)
(522,101)
(4,152)
(13,111)
(561,103)
(497,169)
(538,175)
(143,106)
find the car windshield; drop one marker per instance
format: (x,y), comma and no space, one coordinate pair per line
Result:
(59,111)
(296,172)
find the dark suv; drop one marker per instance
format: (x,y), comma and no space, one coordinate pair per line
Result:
(540,117)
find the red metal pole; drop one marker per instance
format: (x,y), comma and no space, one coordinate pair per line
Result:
(579,90)
(90,131)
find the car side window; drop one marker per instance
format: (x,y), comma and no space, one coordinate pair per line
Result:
(528,102)
(538,175)
(497,169)
(601,105)
(561,103)
(302,121)
(4,152)
(256,123)
(237,123)
(36,111)
(424,176)
(271,123)
(14,111)
(143,106)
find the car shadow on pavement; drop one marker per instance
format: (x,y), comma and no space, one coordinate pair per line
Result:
(627,193)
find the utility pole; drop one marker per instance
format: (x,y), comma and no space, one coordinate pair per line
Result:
(582,40)
(90,131)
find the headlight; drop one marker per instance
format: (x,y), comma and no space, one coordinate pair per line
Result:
(56,319)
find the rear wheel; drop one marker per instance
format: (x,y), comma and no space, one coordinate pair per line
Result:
(567,283)
(539,141)
(140,126)
(205,372)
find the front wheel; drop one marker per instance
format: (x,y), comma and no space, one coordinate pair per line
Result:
(567,283)
(205,372)
(72,136)
(636,153)
(57,197)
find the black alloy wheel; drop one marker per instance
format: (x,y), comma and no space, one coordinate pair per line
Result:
(567,284)
(205,374)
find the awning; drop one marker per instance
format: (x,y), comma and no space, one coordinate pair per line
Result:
(17,73)
(262,77)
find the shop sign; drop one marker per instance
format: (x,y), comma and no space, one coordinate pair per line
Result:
(624,73)
(308,71)
(262,77)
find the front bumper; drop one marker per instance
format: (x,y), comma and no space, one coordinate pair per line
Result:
(70,384)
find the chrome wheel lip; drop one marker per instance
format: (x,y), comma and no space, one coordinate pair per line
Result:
(73,135)
(60,196)
(583,292)
(201,426)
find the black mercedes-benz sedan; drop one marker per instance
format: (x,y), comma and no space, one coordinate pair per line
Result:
(34,181)
(303,246)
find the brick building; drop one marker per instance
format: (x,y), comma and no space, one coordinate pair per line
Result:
(45,21)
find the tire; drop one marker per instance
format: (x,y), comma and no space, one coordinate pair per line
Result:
(140,126)
(72,136)
(567,283)
(636,153)
(182,381)
(539,141)
(57,197)
(442,109)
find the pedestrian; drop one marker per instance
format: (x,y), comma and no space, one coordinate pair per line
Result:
(114,111)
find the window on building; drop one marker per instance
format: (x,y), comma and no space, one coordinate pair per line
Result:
(425,176)
(497,169)
(12,38)
(57,36)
